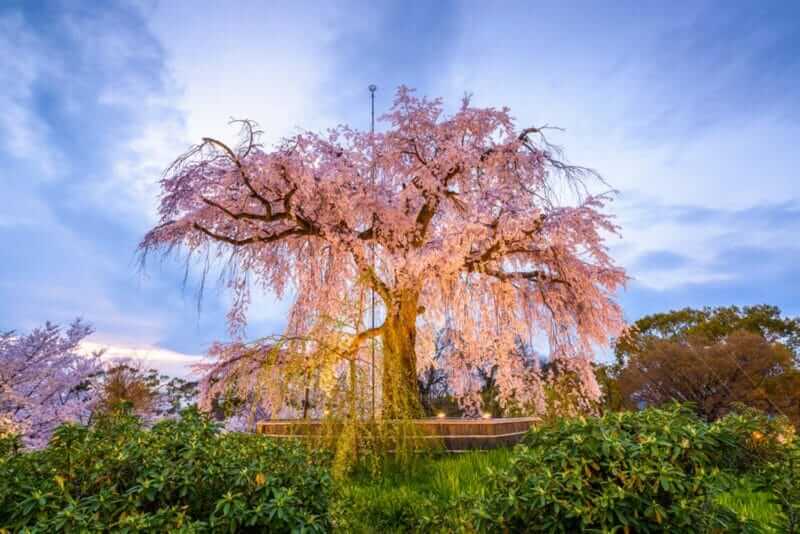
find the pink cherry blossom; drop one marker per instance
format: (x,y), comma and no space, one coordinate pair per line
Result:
(44,381)
(474,223)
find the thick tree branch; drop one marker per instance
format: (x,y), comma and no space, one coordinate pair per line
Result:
(378,285)
(253,239)
(365,335)
(493,251)
(373,280)
(232,155)
(428,209)
(533,276)
(245,215)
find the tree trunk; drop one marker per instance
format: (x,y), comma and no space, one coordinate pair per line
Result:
(400,389)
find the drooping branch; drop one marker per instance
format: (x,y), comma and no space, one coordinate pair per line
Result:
(269,217)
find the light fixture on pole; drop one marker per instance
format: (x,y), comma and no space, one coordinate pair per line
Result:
(372,89)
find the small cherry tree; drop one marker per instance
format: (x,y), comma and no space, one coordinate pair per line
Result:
(463,221)
(44,381)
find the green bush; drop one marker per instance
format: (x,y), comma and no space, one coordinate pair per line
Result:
(645,471)
(9,444)
(181,475)
(656,470)
(781,479)
(752,439)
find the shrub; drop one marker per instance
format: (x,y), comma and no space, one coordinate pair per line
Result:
(781,479)
(182,475)
(9,444)
(751,438)
(632,472)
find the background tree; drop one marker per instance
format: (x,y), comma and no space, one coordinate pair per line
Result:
(613,399)
(714,324)
(433,388)
(147,392)
(175,394)
(44,381)
(125,383)
(712,357)
(470,221)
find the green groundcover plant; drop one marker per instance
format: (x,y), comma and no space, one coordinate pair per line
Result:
(650,471)
(180,476)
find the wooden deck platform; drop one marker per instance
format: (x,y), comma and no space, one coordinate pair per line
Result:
(454,434)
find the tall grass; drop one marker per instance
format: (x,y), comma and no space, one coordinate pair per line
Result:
(454,476)
(749,503)
(423,496)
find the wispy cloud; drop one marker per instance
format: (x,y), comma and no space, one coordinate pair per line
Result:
(165,361)
(23,134)
(691,116)
(690,111)
(92,103)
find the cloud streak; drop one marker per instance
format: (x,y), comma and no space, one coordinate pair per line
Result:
(165,361)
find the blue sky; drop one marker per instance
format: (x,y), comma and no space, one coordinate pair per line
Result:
(691,110)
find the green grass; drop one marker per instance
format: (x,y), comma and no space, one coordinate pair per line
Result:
(447,476)
(424,496)
(751,504)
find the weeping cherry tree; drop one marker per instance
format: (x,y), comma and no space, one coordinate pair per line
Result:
(461,221)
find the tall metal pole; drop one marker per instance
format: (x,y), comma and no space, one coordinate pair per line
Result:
(372,89)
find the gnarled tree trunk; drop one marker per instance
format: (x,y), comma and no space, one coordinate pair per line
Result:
(400,389)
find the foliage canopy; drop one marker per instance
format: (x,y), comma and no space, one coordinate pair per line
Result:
(713,357)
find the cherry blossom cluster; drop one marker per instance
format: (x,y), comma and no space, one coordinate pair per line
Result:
(44,381)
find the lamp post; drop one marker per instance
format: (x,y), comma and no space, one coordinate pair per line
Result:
(372,89)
